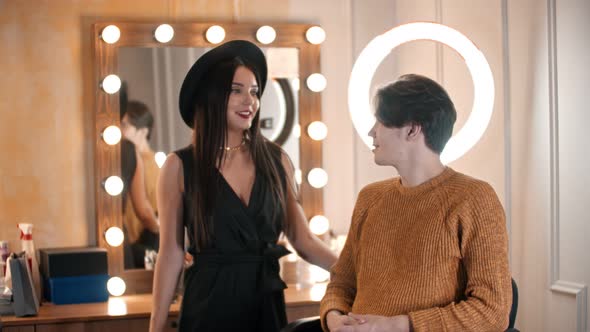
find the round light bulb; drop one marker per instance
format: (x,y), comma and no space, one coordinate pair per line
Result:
(111,84)
(160,158)
(317,178)
(114,236)
(298,176)
(116,286)
(266,34)
(164,33)
(317,130)
(117,307)
(316,82)
(111,135)
(315,35)
(113,185)
(319,225)
(368,61)
(215,34)
(110,34)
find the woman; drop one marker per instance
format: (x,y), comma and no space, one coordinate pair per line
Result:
(243,198)
(141,224)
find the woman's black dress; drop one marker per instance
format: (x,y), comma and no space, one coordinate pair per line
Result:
(235,284)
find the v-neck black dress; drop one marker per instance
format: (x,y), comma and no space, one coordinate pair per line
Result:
(234,285)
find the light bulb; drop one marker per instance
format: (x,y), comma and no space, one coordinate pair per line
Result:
(111,135)
(317,130)
(266,34)
(316,82)
(319,225)
(111,84)
(215,34)
(114,236)
(317,178)
(110,34)
(160,158)
(315,35)
(116,286)
(113,185)
(164,33)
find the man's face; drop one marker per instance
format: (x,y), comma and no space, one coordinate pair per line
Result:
(390,146)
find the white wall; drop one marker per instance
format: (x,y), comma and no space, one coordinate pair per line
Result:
(532,153)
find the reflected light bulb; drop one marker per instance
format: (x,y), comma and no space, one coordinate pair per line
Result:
(215,34)
(111,84)
(110,34)
(315,35)
(317,178)
(113,185)
(116,286)
(160,158)
(316,82)
(164,33)
(111,135)
(266,34)
(114,236)
(319,225)
(317,130)
(117,307)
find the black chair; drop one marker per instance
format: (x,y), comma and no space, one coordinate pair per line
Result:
(313,324)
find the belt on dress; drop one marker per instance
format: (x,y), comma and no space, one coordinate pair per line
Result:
(269,279)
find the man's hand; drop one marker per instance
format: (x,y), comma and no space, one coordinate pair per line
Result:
(373,323)
(336,321)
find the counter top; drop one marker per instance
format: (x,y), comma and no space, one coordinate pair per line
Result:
(139,306)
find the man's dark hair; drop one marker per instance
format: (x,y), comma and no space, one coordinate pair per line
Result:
(416,99)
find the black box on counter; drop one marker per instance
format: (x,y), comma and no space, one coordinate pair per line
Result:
(72,262)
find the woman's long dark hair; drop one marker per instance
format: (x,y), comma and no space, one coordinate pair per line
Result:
(210,126)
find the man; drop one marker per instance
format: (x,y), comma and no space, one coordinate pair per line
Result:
(428,250)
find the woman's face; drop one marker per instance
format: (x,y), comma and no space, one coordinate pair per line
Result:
(243,102)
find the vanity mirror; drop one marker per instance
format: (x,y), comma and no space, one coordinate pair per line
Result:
(149,59)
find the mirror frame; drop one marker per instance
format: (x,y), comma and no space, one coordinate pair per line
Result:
(190,34)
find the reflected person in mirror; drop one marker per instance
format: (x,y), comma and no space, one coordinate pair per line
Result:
(427,250)
(234,192)
(140,215)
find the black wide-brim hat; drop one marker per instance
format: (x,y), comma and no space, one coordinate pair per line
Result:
(247,51)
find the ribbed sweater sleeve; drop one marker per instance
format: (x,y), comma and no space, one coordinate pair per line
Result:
(341,290)
(483,245)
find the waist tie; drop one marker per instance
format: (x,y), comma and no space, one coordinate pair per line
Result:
(269,279)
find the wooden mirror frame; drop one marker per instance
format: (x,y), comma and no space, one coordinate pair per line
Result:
(189,34)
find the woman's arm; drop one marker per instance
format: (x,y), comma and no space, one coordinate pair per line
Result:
(307,245)
(171,254)
(141,206)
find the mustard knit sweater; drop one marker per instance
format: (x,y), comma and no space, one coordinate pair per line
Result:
(437,252)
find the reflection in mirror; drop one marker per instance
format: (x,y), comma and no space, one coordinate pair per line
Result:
(152,77)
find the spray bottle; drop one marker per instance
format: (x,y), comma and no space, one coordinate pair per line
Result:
(28,246)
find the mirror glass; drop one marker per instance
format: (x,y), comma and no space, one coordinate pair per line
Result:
(153,76)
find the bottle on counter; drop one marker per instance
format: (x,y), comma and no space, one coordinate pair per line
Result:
(28,246)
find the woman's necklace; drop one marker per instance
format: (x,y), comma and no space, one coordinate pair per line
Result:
(234,148)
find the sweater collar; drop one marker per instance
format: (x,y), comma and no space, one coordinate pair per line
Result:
(425,186)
